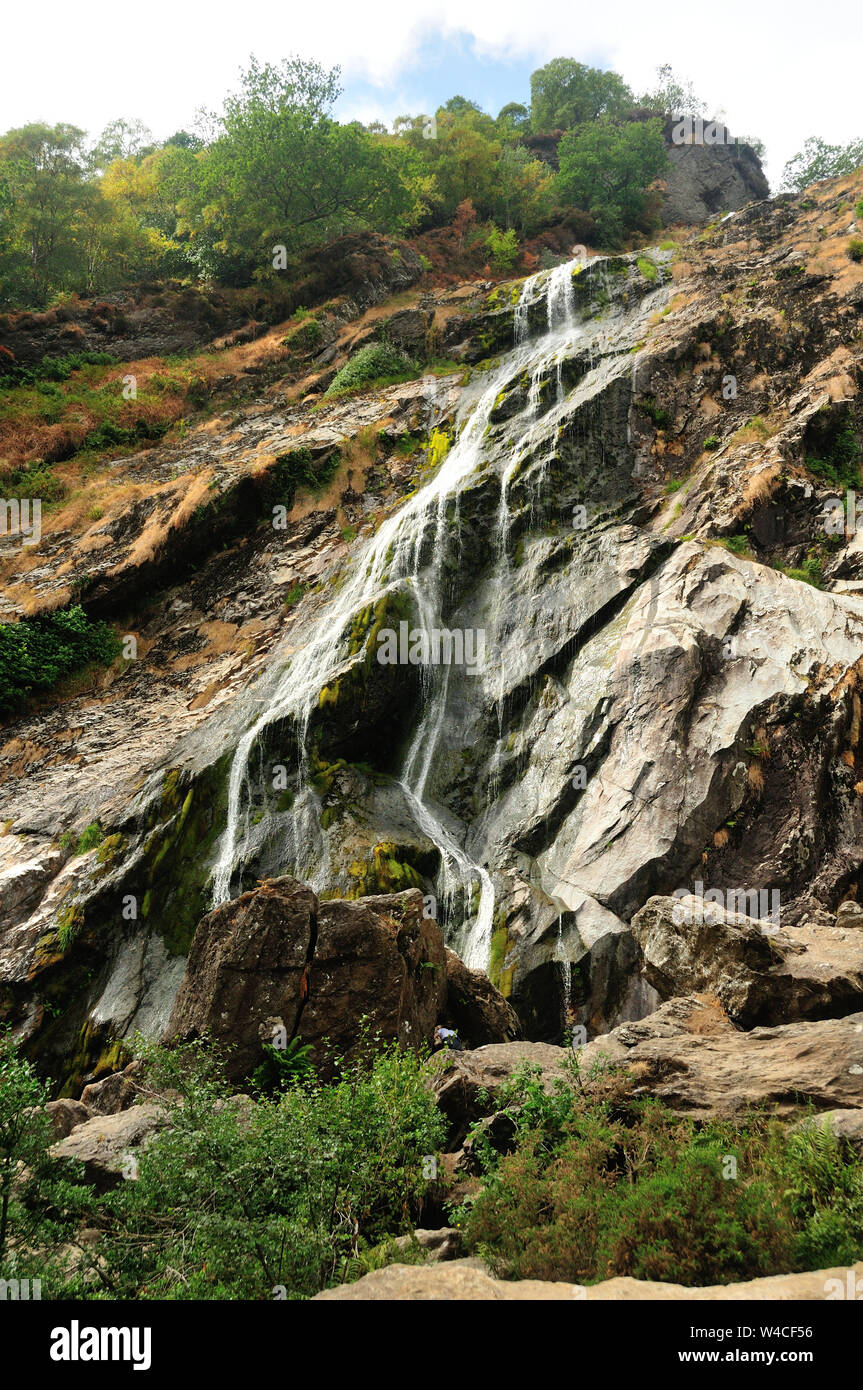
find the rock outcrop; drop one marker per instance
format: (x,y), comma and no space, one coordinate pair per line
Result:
(704,182)
(277,959)
(759,973)
(665,699)
(468,1280)
(107,1145)
(702,1066)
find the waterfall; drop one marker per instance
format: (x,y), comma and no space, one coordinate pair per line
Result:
(388,560)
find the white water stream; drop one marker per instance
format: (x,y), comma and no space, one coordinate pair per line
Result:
(388,560)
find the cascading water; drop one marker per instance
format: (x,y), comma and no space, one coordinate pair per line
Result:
(392,559)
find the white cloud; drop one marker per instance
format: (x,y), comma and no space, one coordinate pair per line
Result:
(777,68)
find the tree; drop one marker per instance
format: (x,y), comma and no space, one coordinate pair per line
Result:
(673,96)
(605,169)
(523,190)
(42,177)
(120,139)
(513,116)
(818,160)
(281,170)
(565,93)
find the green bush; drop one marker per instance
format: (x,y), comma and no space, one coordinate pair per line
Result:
(374,364)
(55,368)
(603,1183)
(36,652)
(855,248)
(298,470)
(236,1201)
(712,442)
(838,448)
(34,480)
(502,248)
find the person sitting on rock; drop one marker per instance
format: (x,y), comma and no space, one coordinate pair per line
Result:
(446,1037)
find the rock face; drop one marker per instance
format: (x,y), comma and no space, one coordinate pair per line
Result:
(759,973)
(664,700)
(279,958)
(704,181)
(468,1280)
(701,1064)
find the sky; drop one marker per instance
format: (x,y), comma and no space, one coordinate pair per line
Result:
(781,70)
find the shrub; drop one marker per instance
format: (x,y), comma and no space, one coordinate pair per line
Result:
(835,449)
(607,1183)
(855,248)
(374,364)
(712,442)
(36,652)
(502,248)
(233,1202)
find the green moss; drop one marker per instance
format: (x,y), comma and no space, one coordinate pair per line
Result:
(647,268)
(94,1056)
(388,871)
(69,923)
(438,447)
(500,976)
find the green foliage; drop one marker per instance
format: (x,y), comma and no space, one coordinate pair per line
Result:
(647,268)
(673,96)
(374,364)
(712,442)
(606,168)
(237,1201)
(282,171)
(69,923)
(855,248)
(738,545)
(294,594)
(503,249)
(838,449)
(565,93)
(53,369)
(661,418)
(36,652)
(298,470)
(90,838)
(818,160)
(603,1183)
(281,1067)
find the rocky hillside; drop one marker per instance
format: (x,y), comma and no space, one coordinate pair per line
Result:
(615,479)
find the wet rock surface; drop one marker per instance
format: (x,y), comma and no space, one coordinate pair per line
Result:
(664,704)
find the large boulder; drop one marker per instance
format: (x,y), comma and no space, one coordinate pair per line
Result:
(380,958)
(478,1011)
(106,1144)
(276,958)
(760,974)
(115,1092)
(66,1115)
